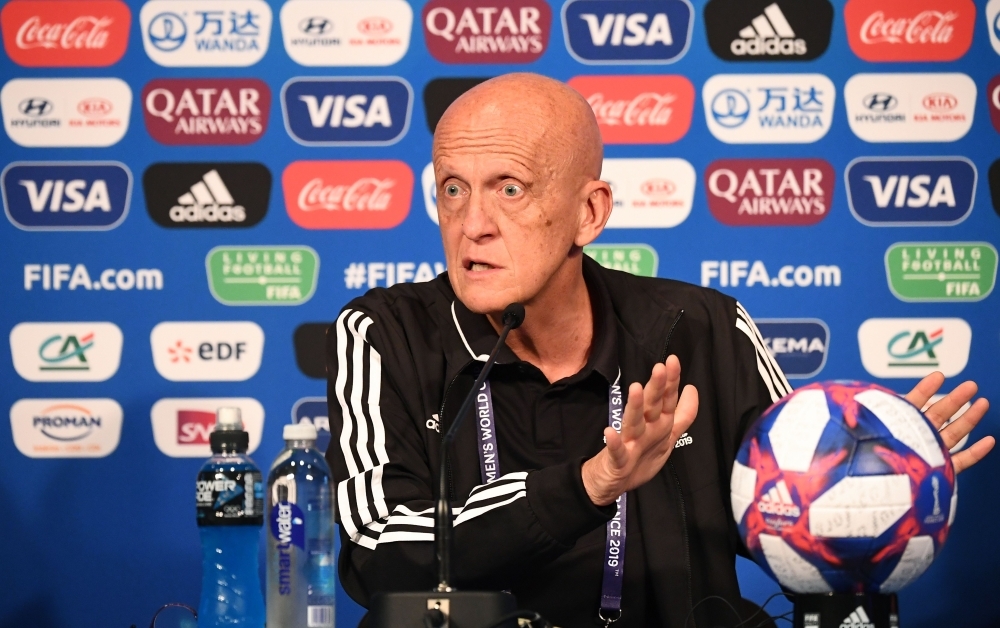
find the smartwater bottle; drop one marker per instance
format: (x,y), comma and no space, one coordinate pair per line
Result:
(230,500)
(300,561)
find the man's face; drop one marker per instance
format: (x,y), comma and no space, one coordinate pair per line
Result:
(508,205)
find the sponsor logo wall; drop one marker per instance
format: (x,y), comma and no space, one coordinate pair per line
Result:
(833,165)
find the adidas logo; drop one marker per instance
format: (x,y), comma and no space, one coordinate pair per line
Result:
(778,501)
(208,201)
(768,34)
(857,619)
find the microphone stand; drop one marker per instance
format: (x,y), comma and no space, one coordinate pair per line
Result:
(445,607)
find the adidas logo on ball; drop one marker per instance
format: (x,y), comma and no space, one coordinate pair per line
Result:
(208,200)
(768,34)
(857,619)
(778,501)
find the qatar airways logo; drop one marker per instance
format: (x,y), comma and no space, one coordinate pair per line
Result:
(347,194)
(914,30)
(507,31)
(639,109)
(65,33)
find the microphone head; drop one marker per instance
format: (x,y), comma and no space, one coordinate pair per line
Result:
(513,315)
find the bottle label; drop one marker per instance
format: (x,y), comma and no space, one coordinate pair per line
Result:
(287,529)
(230,498)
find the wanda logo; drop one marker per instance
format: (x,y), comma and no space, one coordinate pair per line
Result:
(639,109)
(65,33)
(658,188)
(347,194)
(375,26)
(94,107)
(910,30)
(940,102)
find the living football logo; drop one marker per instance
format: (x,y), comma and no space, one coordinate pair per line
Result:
(914,347)
(769,108)
(649,193)
(206,111)
(66,196)
(800,345)
(347,111)
(65,33)
(348,32)
(207,194)
(52,113)
(769,192)
(262,275)
(909,30)
(347,194)
(66,428)
(181,426)
(229,351)
(627,31)
(654,109)
(504,31)
(910,191)
(910,107)
(941,271)
(641,260)
(768,30)
(198,33)
(66,352)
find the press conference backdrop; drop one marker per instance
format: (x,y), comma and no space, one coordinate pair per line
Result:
(193,189)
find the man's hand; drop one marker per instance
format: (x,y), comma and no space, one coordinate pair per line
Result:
(943,410)
(653,419)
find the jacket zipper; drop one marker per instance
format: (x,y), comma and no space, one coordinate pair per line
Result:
(442,429)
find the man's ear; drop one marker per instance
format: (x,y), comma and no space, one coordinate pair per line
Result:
(595,210)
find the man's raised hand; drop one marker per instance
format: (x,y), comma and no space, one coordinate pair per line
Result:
(653,419)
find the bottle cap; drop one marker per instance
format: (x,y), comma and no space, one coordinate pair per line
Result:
(299,431)
(228,420)
(228,433)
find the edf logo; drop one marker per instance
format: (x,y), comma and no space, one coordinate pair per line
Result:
(627,31)
(347,111)
(800,345)
(64,196)
(916,191)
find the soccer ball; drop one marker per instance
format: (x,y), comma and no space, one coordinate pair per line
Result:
(843,487)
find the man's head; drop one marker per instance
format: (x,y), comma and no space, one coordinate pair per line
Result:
(517,161)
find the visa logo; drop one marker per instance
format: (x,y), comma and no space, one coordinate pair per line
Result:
(799,345)
(66,195)
(627,31)
(911,191)
(348,111)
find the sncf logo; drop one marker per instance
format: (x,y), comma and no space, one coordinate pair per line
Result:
(630,31)
(639,109)
(910,30)
(65,33)
(347,194)
(181,427)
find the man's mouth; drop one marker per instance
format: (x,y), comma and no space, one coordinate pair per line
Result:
(479,266)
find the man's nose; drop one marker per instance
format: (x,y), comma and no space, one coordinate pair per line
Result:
(478,222)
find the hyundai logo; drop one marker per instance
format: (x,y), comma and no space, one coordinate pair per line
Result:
(315,26)
(35,107)
(880,102)
(167,32)
(730,108)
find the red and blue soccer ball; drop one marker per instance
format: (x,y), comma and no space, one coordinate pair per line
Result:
(843,487)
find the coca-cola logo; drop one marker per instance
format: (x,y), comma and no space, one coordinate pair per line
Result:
(504,31)
(347,194)
(206,111)
(94,107)
(910,30)
(939,102)
(375,26)
(658,188)
(639,109)
(769,192)
(47,33)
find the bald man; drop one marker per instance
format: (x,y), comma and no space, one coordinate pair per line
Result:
(577,520)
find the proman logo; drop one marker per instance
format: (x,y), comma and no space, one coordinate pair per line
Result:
(66,428)
(649,193)
(502,31)
(910,191)
(66,352)
(65,33)
(910,30)
(229,351)
(653,109)
(346,32)
(627,31)
(347,194)
(181,427)
(768,30)
(769,192)
(206,111)
(66,196)
(914,347)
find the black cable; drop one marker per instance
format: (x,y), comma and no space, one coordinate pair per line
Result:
(742,622)
(537,621)
(762,609)
(705,599)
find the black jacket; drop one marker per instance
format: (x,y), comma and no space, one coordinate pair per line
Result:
(399,365)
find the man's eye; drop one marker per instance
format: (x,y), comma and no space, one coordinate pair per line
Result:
(511,190)
(451,190)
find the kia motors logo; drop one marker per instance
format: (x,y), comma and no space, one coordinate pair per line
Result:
(993,95)
(66,352)
(228,351)
(441,92)
(909,30)
(198,33)
(654,109)
(181,427)
(347,111)
(768,108)
(800,345)
(910,107)
(649,193)
(914,347)
(627,31)
(65,33)
(911,191)
(994,176)
(66,196)
(768,30)
(993,23)
(347,194)
(66,428)
(206,111)
(314,410)
(769,192)
(310,349)
(347,32)
(53,113)
(207,194)
(505,31)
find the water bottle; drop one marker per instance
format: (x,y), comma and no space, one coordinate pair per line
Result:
(230,500)
(300,561)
